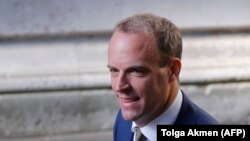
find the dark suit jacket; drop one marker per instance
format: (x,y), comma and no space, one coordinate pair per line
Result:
(190,114)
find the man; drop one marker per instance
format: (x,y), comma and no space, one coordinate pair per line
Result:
(144,59)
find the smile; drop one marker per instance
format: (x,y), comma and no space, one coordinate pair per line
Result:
(129,100)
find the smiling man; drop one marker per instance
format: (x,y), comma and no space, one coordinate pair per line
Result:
(144,59)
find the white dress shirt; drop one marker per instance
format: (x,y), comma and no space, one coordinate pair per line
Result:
(168,117)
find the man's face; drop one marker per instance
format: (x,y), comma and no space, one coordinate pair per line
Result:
(137,80)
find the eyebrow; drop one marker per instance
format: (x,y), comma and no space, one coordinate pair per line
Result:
(138,67)
(135,67)
(109,66)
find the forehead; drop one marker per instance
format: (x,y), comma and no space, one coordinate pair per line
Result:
(132,47)
(130,41)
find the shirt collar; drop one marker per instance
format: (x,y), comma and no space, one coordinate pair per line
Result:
(168,117)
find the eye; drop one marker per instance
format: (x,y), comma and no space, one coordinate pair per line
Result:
(139,71)
(113,71)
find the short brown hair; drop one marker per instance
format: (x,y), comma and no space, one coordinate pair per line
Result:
(167,35)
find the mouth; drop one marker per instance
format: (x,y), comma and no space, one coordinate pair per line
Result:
(129,100)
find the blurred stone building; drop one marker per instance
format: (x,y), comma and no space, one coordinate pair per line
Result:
(53,57)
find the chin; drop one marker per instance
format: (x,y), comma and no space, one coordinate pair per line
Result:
(129,115)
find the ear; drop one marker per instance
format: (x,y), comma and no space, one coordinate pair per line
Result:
(175,69)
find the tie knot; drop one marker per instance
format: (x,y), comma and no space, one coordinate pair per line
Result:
(138,135)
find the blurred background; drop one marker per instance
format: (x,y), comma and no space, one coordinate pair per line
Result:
(54,83)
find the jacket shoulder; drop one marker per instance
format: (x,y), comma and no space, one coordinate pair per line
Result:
(122,129)
(191,113)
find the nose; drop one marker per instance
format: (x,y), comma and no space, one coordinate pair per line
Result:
(122,84)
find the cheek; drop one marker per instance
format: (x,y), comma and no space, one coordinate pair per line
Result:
(142,86)
(149,93)
(155,87)
(113,82)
